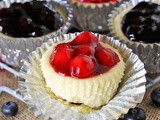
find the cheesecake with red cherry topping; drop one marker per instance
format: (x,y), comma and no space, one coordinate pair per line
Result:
(83,70)
(92,15)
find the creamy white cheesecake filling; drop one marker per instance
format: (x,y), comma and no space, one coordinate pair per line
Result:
(93,91)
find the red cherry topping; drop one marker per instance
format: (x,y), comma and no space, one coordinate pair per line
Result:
(62,45)
(85,49)
(86,38)
(82,66)
(61,57)
(106,57)
(83,57)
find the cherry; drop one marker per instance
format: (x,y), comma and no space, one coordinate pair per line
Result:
(82,66)
(61,57)
(86,38)
(85,49)
(106,56)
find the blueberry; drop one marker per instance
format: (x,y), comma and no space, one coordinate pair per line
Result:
(155,96)
(135,114)
(23,21)
(27,6)
(15,4)
(51,19)
(4,12)
(9,108)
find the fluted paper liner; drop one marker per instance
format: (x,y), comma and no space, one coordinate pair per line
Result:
(39,98)
(92,16)
(13,50)
(148,53)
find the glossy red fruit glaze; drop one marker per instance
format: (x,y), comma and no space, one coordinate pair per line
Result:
(83,57)
(82,66)
(85,50)
(85,38)
(61,57)
(63,45)
(106,56)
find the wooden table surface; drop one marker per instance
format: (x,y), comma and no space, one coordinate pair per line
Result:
(9,80)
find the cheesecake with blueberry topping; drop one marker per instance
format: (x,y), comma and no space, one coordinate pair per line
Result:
(139,23)
(29,19)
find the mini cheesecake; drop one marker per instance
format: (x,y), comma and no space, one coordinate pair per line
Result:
(83,70)
(25,25)
(137,23)
(92,15)
(29,19)
(90,57)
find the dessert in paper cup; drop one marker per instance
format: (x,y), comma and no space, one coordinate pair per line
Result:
(137,23)
(92,15)
(26,24)
(82,76)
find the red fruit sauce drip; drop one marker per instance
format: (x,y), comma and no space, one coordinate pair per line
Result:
(83,57)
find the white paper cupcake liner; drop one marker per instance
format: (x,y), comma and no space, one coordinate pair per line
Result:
(39,98)
(148,53)
(90,16)
(13,50)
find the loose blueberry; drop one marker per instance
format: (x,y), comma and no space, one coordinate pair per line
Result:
(155,96)
(135,114)
(9,108)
